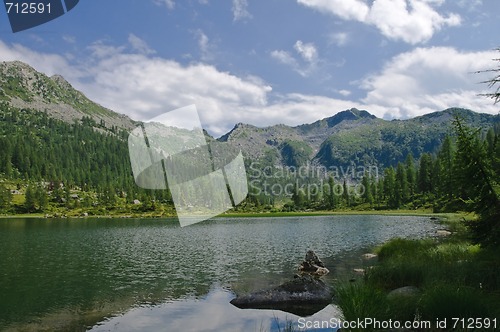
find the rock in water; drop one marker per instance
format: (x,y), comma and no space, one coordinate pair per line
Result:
(313,265)
(304,295)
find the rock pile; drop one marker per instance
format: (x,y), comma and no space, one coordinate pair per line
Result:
(312,265)
(303,295)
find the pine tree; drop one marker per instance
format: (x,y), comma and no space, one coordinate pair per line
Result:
(42,198)
(298,196)
(411,175)
(30,199)
(367,193)
(345,193)
(67,196)
(424,179)
(57,193)
(402,192)
(5,197)
(331,193)
(493,82)
(445,167)
(380,191)
(477,183)
(390,187)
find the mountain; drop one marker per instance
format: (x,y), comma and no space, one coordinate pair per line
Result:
(22,87)
(349,137)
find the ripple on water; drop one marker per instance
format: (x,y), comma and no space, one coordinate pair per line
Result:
(95,268)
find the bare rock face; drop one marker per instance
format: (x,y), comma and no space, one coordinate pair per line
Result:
(312,265)
(303,295)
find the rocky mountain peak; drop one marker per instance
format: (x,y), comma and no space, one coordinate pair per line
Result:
(348,115)
(21,86)
(61,81)
(16,65)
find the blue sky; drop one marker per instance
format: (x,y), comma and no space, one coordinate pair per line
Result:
(267,62)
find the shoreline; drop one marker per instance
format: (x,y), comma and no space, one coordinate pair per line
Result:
(416,213)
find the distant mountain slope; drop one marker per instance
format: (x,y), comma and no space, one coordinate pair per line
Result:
(21,86)
(352,137)
(349,137)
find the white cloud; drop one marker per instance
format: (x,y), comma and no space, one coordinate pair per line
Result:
(470,5)
(347,10)
(284,57)
(100,49)
(139,45)
(170,4)
(204,45)
(344,92)
(240,10)
(339,38)
(308,53)
(412,21)
(143,86)
(69,39)
(429,78)
(50,64)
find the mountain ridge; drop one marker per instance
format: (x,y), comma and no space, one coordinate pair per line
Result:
(347,137)
(21,86)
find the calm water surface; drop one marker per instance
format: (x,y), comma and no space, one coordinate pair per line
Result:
(152,275)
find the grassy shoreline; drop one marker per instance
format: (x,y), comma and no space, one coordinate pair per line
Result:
(419,213)
(333,213)
(440,278)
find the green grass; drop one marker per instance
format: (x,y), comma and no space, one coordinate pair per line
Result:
(449,301)
(362,300)
(456,279)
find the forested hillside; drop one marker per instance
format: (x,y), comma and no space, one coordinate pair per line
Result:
(78,165)
(63,154)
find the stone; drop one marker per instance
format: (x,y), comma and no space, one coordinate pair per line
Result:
(406,291)
(303,295)
(312,265)
(443,232)
(369,256)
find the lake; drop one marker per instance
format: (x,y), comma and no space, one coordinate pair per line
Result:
(151,275)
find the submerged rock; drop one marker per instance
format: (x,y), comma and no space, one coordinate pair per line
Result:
(304,295)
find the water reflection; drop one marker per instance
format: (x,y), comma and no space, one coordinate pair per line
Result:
(75,273)
(212,313)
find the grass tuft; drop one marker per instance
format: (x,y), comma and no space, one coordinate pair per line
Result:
(456,280)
